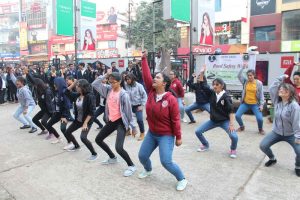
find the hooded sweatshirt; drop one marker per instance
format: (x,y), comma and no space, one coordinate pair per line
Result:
(61,101)
(24,94)
(177,87)
(163,116)
(287,115)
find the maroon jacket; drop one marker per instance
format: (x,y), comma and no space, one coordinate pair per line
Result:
(163,116)
(176,86)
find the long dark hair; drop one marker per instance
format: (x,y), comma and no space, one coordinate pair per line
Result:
(167,80)
(41,87)
(209,24)
(132,77)
(221,82)
(85,86)
(91,34)
(292,91)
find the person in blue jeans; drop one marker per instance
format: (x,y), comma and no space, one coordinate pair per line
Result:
(221,114)
(252,98)
(138,98)
(202,101)
(164,125)
(286,125)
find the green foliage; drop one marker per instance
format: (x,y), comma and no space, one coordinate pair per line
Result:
(142,28)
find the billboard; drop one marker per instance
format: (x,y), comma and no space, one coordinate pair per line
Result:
(206,22)
(64,17)
(23,36)
(290,46)
(88,26)
(108,14)
(107,32)
(261,7)
(37,35)
(179,10)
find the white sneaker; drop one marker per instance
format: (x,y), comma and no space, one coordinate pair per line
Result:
(144,174)
(184,120)
(129,171)
(181,185)
(110,161)
(69,146)
(57,140)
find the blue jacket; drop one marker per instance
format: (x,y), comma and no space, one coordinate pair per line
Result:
(201,96)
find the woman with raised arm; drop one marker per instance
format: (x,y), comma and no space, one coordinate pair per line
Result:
(164,125)
(286,121)
(221,114)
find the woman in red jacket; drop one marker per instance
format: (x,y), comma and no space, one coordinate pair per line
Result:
(164,125)
(177,88)
(296,78)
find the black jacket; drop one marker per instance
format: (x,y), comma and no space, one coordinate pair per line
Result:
(85,75)
(88,104)
(201,96)
(221,110)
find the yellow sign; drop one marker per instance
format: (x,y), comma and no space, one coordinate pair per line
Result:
(23,36)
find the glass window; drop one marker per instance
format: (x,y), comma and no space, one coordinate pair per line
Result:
(266,33)
(228,33)
(291,25)
(218,5)
(111,44)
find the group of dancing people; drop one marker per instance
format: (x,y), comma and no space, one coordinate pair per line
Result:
(121,96)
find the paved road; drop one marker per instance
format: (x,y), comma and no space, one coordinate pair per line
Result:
(32,168)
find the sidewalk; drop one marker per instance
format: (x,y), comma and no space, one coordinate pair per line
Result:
(33,169)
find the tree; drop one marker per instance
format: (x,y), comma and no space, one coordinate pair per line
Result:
(141,31)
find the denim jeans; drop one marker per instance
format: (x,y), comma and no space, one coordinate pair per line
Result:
(166,146)
(195,106)
(211,125)
(273,138)
(139,117)
(181,107)
(255,109)
(25,119)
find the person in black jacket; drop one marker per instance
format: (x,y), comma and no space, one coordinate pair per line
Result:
(45,97)
(221,114)
(202,101)
(61,112)
(85,106)
(82,72)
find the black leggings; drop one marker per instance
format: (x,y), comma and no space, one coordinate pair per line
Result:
(98,112)
(75,126)
(54,119)
(41,115)
(121,133)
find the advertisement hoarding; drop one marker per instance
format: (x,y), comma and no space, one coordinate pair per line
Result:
(178,10)
(64,17)
(206,22)
(290,46)
(88,34)
(107,32)
(23,36)
(262,7)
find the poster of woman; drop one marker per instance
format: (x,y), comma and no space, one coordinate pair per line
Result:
(206,20)
(89,42)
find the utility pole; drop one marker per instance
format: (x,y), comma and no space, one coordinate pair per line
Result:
(75,30)
(130,3)
(191,42)
(153,15)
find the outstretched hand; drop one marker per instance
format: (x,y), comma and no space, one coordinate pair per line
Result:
(203,69)
(145,54)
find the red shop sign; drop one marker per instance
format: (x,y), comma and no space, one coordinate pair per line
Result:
(287,61)
(121,63)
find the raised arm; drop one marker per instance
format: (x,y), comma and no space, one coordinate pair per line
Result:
(274,88)
(241,77)
(288,72)
(146,74)
(100,87)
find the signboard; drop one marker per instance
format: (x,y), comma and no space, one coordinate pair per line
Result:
(262,7)
(179,10)
(121,63)
(37,35)
(88,26)
(227,67)
(108,14)
(289,46)
(64,17)
(107,53)
(206,22)
(107,32)
(287,61)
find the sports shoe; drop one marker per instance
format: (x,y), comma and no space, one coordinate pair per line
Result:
(142,135)
(184,120)
(110,161)
(49,136)
(144,174)
(192,122)
(74,149)
(181,185)
(129,171)
(270,162)
(57,140)
(33,130)
(261,131)
(25,127)
(241,129)
(203,148)
(92,158)
(69,146)
(128,132)
(43,132)
(297,171)
(232,154)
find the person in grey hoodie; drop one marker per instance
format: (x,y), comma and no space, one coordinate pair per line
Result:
(118,114)
(138,98)
(252,98)
(286,121)
(26,102)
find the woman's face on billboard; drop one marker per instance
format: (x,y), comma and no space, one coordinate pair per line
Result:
(205,20)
